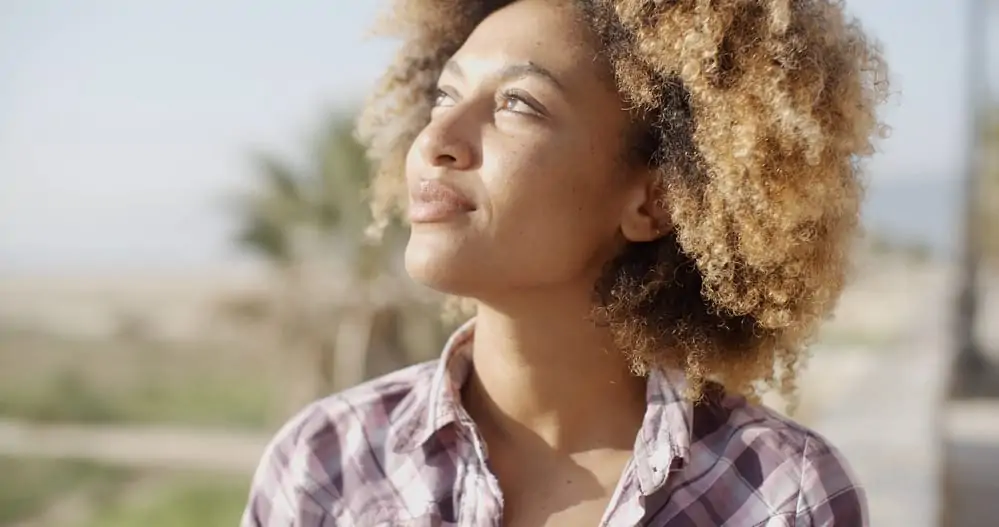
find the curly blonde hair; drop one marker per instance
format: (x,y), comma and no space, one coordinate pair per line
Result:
(754,116)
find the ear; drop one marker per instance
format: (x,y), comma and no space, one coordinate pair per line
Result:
(645,217)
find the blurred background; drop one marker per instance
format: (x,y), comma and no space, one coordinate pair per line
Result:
(182,266)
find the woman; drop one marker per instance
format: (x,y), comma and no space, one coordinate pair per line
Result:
(650,203)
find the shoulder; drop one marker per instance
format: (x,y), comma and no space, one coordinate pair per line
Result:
(301,473)
(787,465)
(372,406)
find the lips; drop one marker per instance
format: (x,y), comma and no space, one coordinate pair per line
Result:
(435,201)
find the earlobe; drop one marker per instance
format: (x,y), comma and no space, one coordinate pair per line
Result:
(640,229)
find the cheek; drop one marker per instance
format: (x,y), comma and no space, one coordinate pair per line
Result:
(552,211)
(564,179)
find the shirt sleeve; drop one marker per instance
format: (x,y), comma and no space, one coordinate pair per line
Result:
(281,492)
(273,489)
(830,494)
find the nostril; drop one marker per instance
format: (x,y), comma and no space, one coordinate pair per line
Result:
(446,160)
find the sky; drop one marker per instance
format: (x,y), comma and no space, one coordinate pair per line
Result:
(125,125)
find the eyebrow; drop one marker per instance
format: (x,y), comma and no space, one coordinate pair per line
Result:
(513,71)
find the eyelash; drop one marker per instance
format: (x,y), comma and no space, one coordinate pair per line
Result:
(505,97)
(440,95)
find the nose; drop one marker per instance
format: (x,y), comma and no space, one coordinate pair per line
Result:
(448,141)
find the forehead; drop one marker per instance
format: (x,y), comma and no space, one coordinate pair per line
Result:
(551,34)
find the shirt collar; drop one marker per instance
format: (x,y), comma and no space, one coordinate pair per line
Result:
(662,444)
(437,403)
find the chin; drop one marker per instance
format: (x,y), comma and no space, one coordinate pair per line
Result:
(441,264)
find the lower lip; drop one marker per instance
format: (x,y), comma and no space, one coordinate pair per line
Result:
(437,211)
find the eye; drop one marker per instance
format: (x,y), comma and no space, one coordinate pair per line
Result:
(443,99)
(518,102)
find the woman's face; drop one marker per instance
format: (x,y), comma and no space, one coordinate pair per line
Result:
(519,182)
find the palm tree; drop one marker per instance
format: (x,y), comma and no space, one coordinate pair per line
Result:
(309,224)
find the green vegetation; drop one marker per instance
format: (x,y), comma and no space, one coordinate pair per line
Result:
(189,501)
(45,378)
(113,497)
(68,396)
(28,487)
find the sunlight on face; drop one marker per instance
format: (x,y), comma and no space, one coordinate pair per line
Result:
(517,182)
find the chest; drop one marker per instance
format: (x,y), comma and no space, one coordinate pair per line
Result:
(559,490)
(588,512)
(447,491)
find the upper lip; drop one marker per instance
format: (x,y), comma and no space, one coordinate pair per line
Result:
(438,191)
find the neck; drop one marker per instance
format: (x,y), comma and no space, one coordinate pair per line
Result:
(545,371)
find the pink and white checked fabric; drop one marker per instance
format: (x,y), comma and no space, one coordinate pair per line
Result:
(401,451)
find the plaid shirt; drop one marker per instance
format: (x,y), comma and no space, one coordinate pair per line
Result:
(401,451)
